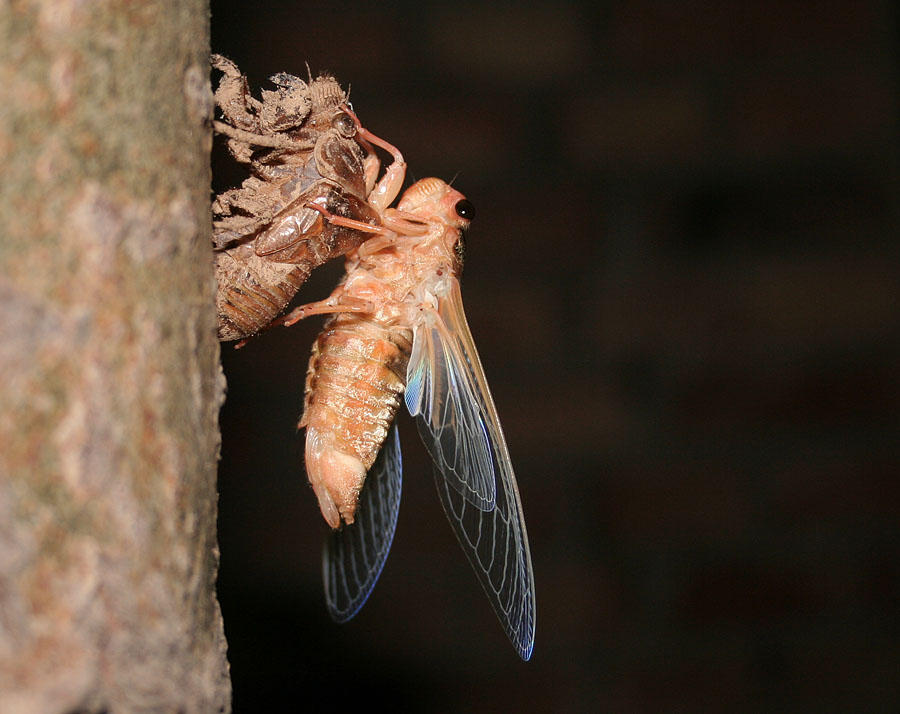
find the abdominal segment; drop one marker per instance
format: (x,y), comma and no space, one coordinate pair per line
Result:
(252,291)
(354,386)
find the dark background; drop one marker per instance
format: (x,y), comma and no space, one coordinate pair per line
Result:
(684,283)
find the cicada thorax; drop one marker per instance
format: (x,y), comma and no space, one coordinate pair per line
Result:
(354,387)
(267,239)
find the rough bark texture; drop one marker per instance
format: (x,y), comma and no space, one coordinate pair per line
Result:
(109,374)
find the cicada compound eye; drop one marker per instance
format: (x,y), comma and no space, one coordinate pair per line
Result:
(465,209)
(344,124)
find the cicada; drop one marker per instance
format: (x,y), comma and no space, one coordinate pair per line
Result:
(303,145)
(398,332)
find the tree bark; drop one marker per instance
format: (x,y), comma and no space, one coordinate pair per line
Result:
(110,382)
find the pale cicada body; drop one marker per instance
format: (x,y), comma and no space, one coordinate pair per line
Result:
(303,145)
(398,328)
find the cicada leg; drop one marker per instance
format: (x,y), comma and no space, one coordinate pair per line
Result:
(383,236)
(336,302)
(344,221)
(395,221)
(382,194)
(249,137)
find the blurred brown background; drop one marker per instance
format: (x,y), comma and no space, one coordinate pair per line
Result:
(684,282)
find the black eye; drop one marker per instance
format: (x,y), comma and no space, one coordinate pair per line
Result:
(465,209)
(344,124)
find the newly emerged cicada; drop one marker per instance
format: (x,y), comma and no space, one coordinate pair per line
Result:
(302,145)
(397,332)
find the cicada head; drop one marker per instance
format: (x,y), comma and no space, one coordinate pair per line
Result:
(326,96)
(433,198)
(326,93)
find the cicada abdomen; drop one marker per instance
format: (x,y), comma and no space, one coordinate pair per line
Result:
(303,147)
(354,386)
(252,291)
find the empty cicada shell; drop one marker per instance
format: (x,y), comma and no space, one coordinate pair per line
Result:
(303,146)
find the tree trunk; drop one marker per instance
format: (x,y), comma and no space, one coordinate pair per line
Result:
(110,381)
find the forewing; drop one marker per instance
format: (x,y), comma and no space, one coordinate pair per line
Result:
(494,540)
(354,555)
(442,394)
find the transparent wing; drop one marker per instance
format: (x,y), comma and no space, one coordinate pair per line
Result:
(354,554)
(494,540)
(441,392)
